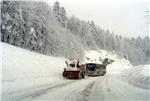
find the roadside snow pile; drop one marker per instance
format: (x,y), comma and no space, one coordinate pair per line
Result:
(117,67)
(139,76)
(23,69)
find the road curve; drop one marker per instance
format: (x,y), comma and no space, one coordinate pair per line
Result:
(103,88)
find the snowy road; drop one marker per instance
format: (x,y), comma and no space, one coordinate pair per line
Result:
(35,78)
(103,88)
(73,90)
(113,88)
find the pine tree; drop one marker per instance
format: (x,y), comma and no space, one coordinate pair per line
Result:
(60,13)
(56,9)
(63,16)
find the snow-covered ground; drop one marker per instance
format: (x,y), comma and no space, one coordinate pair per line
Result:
(112,88)
(29,76)
(23,70)
(138,76)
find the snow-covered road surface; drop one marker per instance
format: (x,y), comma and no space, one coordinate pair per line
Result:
(112,88)
(102,88)
(72,90)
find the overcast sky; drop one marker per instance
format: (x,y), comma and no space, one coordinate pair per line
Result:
(123,17)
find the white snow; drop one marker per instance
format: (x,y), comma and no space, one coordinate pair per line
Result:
(146,70)
(111,88)
(72,69)
(138,76)
(0,70)
(23,69)
(29,76)
(22,64)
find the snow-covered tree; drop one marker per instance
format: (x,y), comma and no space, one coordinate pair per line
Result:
(60,13)
(56,9)
(63,16)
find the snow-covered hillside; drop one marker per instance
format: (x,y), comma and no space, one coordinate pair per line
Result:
(23,69)
(27,73)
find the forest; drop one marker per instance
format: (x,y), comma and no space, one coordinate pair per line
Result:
(38,27)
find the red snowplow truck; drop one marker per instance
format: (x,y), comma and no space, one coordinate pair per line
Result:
(74,70)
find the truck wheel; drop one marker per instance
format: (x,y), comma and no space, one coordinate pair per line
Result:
(83,76)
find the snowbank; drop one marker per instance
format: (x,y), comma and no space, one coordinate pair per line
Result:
(139,76)
(23,69)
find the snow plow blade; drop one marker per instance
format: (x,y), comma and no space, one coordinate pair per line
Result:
(73,74)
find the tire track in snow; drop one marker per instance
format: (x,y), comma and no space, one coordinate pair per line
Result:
(86,92)
(40,91)
(77,90)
